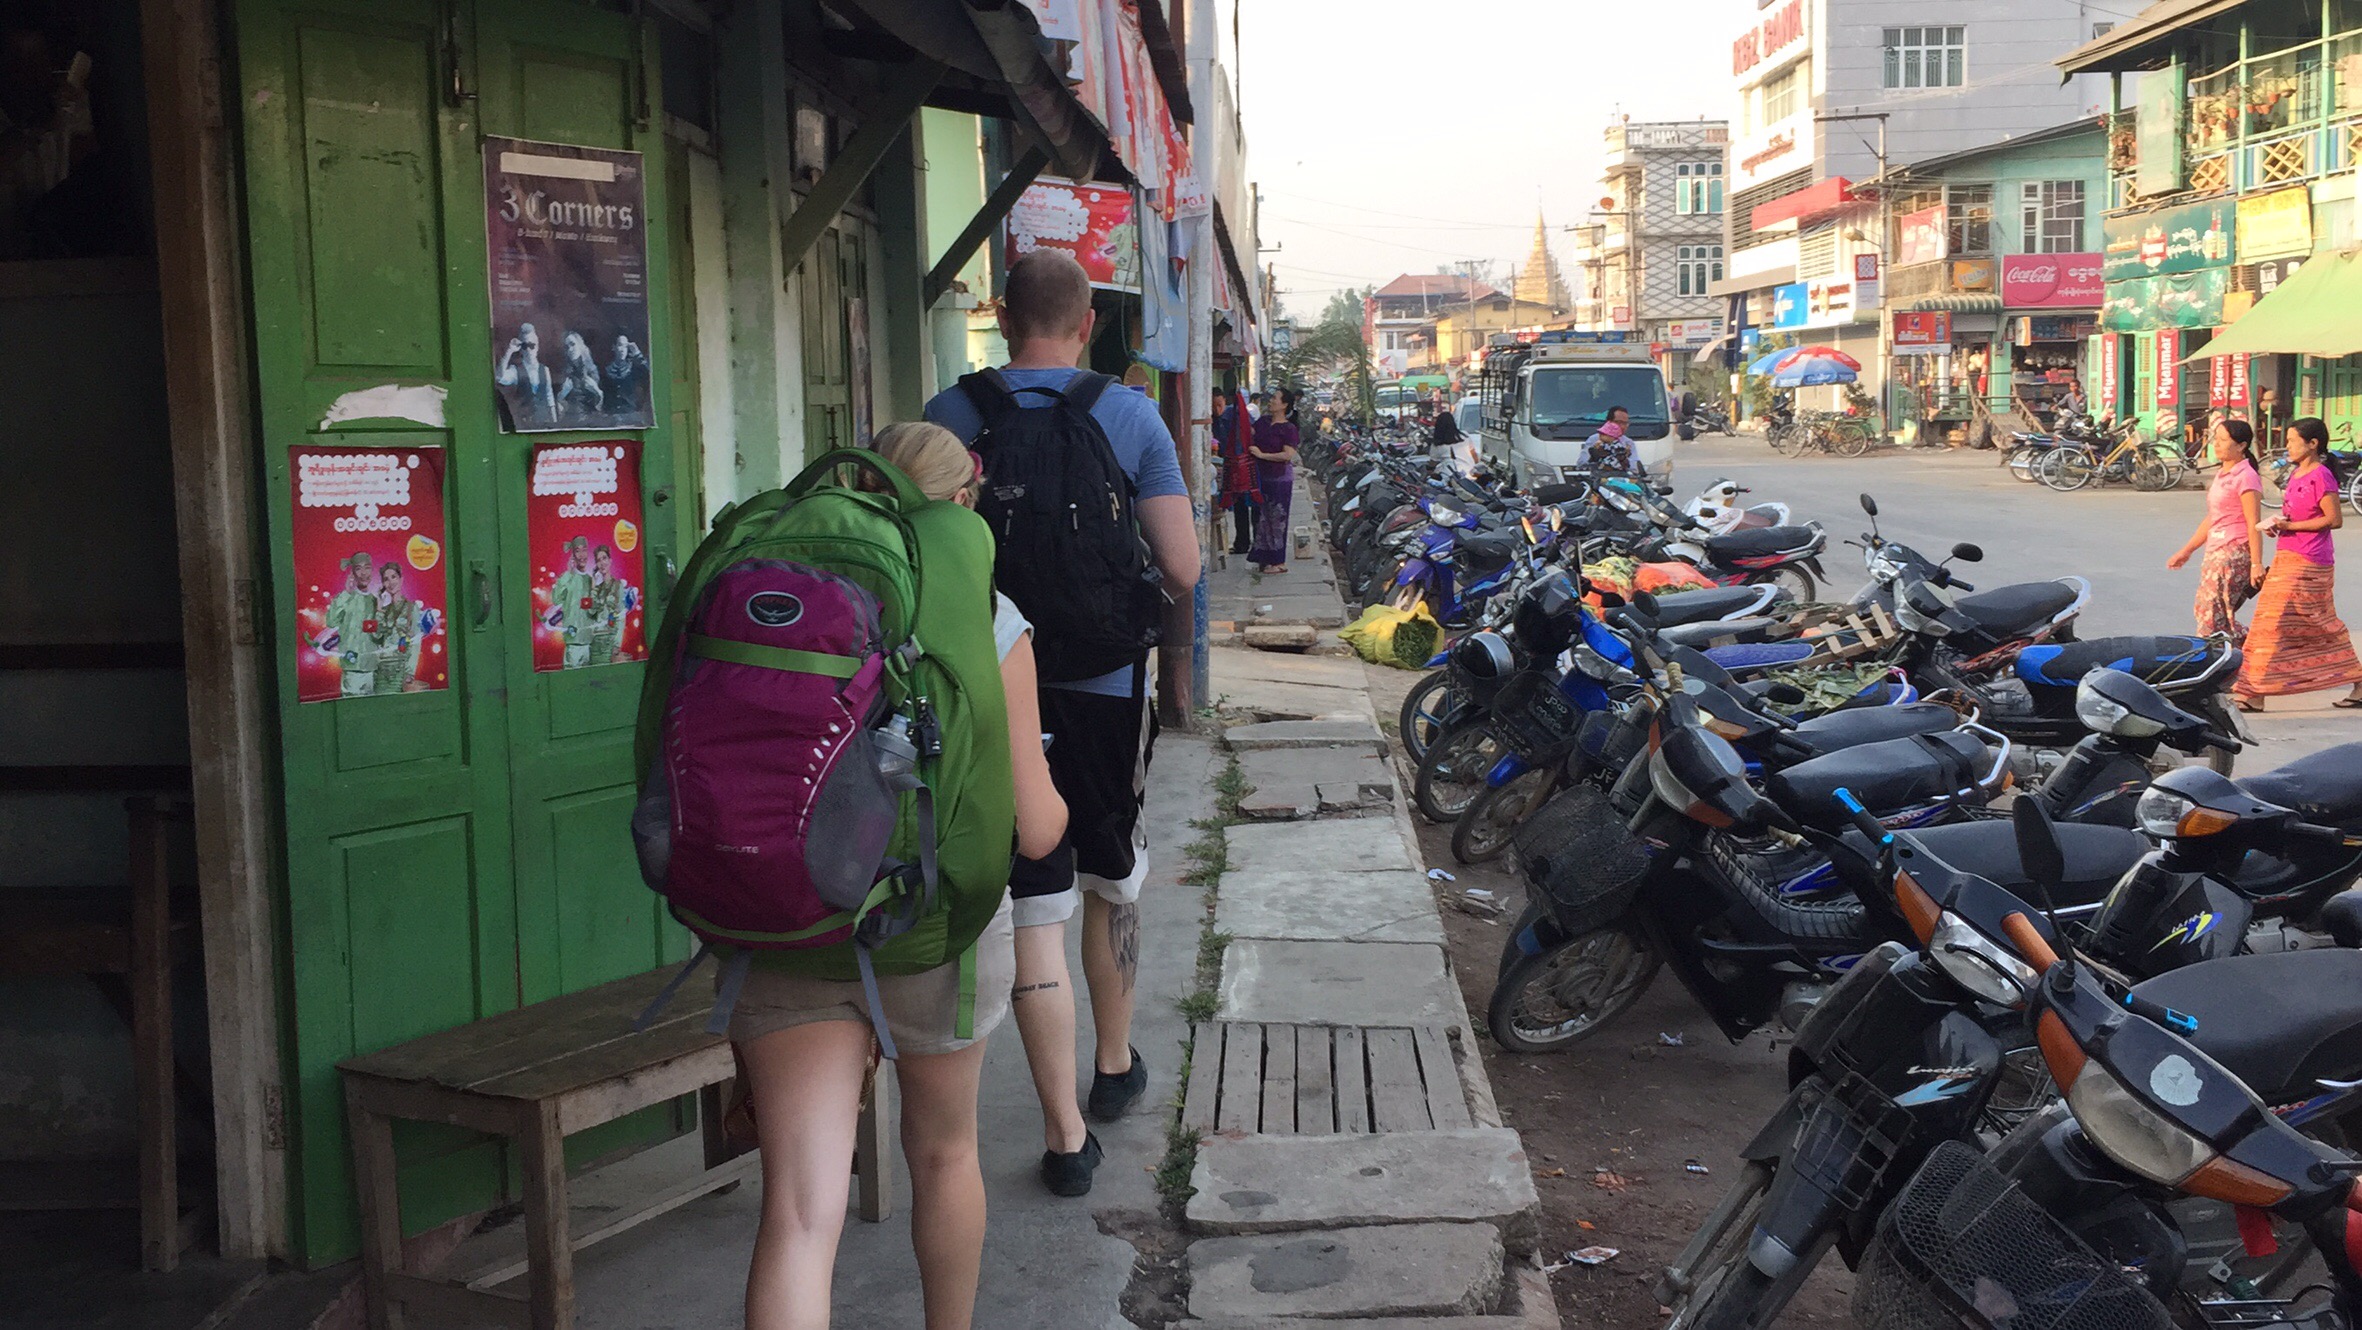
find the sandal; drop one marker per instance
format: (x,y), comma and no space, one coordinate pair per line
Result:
(2253,705)
(2349,702)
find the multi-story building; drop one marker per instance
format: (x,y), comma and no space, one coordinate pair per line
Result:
(1829,92)
(1654,245)
(2231,161)
(1400,317)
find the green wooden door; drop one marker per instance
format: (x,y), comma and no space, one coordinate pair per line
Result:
(835,274)
(451,853)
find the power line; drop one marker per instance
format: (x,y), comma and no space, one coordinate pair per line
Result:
(1382,212)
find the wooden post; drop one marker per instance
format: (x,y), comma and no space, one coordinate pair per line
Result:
(379,1197)
(151,1036)
(1022,173)
(551,1278)
(232,721)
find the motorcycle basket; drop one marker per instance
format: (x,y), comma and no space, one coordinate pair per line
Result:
(1962,1246)
(1533,719)
(1579,854)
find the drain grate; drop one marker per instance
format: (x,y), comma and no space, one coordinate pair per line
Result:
(1284,1080)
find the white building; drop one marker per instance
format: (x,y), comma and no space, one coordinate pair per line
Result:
(1937,76)
(1654,244)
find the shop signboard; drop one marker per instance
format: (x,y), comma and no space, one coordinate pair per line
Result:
(370,603)
(2270,273)
(2169,240)
(1975,274)
(1923,333)
(567,243)
(1828,303)
(584,526)
(2169,371)
(1764,46)
(2159,136)
(1865,267)
(1692,332)
(2176,300)
(1091,221)
(1774,150)
(2226,380)
(1921,237)
(2111,355)
(1791,305)
(2277,224)
(2051,281)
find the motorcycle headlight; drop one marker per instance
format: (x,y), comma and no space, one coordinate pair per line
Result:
(2105,715)
(1978,964)
(2169,814)
(2132,1133)
(1443,514)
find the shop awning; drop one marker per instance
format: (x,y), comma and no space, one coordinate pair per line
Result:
(2311,313)
(1812,201)
(1958,302)
(2141,43)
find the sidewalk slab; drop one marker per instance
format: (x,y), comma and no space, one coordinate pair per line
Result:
(1348,845)
(1391,905)
(1339,672)
(1337,983)
(1358,733)
(1392,1270)
(1272,1184)
(1299,782)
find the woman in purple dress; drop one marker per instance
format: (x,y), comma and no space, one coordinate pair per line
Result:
(1274,451)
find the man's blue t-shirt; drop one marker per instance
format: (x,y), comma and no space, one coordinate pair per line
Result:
(1142,445)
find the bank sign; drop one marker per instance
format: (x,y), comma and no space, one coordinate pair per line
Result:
(2170,240)
(2051,281)
(1764,46)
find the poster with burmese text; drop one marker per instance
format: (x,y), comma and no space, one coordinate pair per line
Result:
(371,601)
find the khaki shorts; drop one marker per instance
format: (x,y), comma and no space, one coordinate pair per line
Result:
(921,1009)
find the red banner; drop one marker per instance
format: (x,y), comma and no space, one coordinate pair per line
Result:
(582,521)
(370,601)
(2050,281)
(1921,236)
(2110,385)
(1091,221)
(2226,381)
(1922,329)
(2169,370)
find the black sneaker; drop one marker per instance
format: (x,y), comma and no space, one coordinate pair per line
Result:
(1070,1174)
(1111,1095)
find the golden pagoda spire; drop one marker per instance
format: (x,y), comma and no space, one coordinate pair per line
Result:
(1539,281)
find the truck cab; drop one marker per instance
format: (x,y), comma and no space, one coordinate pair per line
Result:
(1541,400)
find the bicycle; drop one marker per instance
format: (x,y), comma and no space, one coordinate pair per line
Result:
(2150,464)
(2344,462)
(1822,431)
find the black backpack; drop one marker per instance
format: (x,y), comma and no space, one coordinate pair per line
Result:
(1071,555)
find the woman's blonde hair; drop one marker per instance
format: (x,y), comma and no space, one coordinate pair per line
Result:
(932,456)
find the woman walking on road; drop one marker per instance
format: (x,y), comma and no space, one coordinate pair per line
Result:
(2231,533)
(2297,643)
(1274,451)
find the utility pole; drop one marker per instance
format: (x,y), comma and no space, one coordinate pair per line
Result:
(1885,324)
(1198,38)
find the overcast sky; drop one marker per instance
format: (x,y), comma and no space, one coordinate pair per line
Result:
(1390,136)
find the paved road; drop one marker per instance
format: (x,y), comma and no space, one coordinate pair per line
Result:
(2117,537)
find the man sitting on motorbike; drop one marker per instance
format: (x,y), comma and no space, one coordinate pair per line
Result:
(1608,450)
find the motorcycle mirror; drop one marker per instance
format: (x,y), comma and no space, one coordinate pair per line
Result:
(1869,505)
(1664,489)
(1786,694)
(1644,602)
(2039,851)
(1968,553)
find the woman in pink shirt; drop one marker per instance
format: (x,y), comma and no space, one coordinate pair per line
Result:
(2231,533)
(2297,643)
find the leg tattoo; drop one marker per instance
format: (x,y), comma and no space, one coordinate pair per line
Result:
(1123,940)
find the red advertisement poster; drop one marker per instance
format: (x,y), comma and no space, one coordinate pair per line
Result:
(2051,281)
(2226,381)
(2108,382)
(1093,222)
(582,519)
(370,596)
(2169,370)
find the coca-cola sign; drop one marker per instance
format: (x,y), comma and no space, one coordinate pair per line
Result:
(2051,281)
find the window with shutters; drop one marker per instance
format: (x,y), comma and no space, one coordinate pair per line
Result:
(1697,188)
(1969,219)
(1695,266)
(1925,58)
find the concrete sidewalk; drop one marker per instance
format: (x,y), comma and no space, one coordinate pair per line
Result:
(1249,604)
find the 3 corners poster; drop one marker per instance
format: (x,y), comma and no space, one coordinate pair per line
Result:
(568,266)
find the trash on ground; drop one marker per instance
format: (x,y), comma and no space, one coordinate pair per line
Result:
(1586,1225)
(1438,875)
(1593,1255)
(1670,1039)
(1551,1173)
(1609,1180)
(1693,1166)
(1478,892)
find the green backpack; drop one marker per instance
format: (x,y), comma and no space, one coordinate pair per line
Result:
(823,739)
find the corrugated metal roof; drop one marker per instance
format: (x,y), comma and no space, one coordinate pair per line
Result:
(2133,44)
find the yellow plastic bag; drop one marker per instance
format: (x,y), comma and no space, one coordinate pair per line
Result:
(1384,635)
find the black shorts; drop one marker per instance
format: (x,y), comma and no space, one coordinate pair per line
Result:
(1099,753)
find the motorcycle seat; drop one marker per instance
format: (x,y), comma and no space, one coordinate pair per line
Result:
(2096,856)
(2152,660)
(1707,603)
(1487,548)
(1866,725)
(1759,543)
(2012,610)
(2325,787)
(2279,1021)
(1886,776)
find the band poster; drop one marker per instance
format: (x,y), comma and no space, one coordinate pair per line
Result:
(582,521)
(567,233)
(371,600)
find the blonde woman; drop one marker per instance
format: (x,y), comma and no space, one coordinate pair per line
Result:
(805,1043)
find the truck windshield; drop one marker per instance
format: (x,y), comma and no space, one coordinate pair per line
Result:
(1580,395)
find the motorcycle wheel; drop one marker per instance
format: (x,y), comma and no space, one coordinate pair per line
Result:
(1451,774)
(2217,711)
(1794,578)
(1545,1003)
(1426,709)
(2022,460)
(1485,829)
(1787,439)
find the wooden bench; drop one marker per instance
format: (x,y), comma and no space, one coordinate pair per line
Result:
(535,1076)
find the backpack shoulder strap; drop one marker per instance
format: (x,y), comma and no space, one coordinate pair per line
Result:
(991,395)
(1083,390)
(906,493)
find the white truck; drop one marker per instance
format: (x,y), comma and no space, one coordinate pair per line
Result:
(1540,400)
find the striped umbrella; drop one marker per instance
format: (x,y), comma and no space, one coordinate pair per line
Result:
(1804,366)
